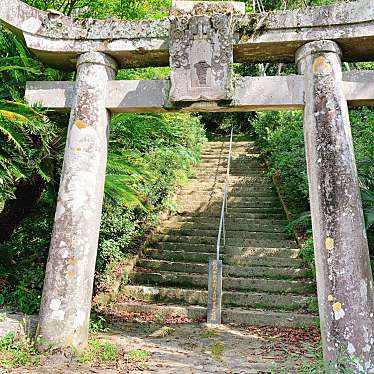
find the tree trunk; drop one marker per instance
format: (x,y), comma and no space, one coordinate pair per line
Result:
(15,210)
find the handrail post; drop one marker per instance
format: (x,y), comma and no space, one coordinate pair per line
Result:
(215,266)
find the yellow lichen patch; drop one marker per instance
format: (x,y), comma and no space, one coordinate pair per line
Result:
(80,124)
(72,261)
(330,298)
(329,243)
(337,307)
(78,149)
(70,274)
(321,66)
(68,341)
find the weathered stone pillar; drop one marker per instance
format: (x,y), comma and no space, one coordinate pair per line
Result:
(344,279)
(67,293)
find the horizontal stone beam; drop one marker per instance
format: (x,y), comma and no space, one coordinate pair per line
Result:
(251,94)
(274,37)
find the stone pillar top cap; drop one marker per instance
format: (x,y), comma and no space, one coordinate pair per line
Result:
(97,58)
(318,46)
(207,6)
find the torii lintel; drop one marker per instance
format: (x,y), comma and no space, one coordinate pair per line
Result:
(58,40)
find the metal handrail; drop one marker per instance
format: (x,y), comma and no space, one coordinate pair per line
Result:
(222,226)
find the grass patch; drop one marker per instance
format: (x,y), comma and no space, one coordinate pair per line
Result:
(217,350)
(16,352)
(138,356)
(98,352)
(209,333)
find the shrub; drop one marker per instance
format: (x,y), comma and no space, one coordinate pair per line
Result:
(280,135)
(149,156)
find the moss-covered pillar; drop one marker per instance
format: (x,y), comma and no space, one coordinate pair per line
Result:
(67,293)
(344,278)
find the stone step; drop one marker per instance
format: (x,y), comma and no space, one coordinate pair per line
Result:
(228,259)
(218,193)
(238,164)
(230,234)
(217,169)
(234,179)
(209,175)
(229,315)
(233,184)
(226,142)
(214,220)
(236,156)
(192,280)
(230,226)
(228,270)
(233,200)
(252,300)
(235,153)
(228,250)
(259,215)
(224,150)
(225,147)
(233,203)
(241,186)
(237,211)
(235,162)
(232,241)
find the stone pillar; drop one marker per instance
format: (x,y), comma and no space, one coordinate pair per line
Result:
(67,293)
(344,278)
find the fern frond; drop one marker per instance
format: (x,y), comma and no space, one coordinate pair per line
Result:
(13,134)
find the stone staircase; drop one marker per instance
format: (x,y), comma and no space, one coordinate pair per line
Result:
(265,283)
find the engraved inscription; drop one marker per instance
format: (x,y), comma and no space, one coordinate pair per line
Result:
(201,52)
(202,71)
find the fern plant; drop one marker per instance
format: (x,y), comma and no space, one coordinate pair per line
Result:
(26,135)
(126,171)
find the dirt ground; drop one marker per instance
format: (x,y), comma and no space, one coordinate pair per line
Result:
(195,348)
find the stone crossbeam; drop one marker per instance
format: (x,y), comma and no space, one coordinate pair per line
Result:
(59,40)
(251,94)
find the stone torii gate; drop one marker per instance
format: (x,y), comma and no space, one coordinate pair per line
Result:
(200,41)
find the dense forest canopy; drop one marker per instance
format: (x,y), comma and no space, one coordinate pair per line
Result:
(149,155)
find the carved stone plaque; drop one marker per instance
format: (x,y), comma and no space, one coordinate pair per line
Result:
(201,50)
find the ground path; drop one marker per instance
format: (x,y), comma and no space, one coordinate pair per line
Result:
(193,348)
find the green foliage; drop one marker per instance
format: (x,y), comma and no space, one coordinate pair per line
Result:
(124,9)
(307,253)
(98,352)
(98,323)
(16,352)
(18,66)
(163,150)
(138,356)
(29,140)
(26,140)
(217,350)
(210,333)
(149,156)
(280,135)
(23,260)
